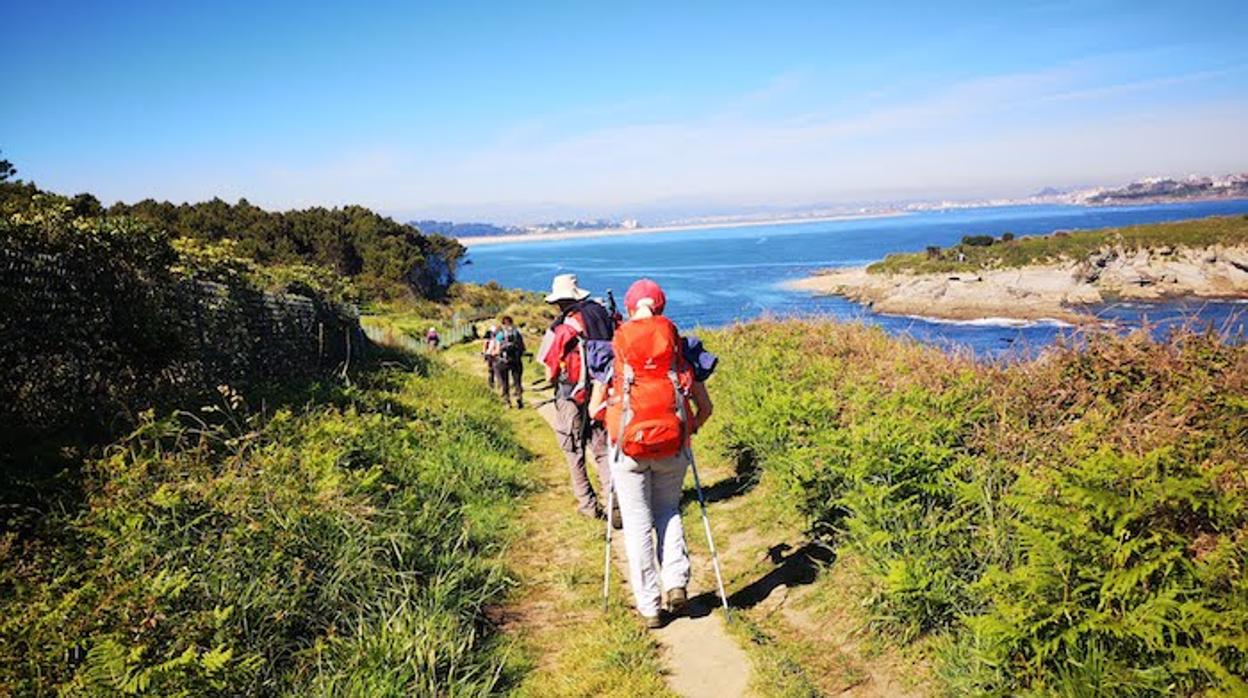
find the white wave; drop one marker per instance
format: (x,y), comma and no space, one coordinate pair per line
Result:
(991,321)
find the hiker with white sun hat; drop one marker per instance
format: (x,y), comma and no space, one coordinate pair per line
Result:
(576,352)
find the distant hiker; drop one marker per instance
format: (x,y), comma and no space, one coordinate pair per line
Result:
(510,362)
(489,352)
(577,354)
(652,386)
(432,339)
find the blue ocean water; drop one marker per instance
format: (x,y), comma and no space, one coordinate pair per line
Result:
(716,276)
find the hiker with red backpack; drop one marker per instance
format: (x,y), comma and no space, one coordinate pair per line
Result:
(577,354)
(655,400)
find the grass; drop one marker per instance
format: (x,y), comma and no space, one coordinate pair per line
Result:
(1078,520)
(1072,246)
(351,546)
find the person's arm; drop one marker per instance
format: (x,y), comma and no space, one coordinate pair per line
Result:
(597,398)
(702,405)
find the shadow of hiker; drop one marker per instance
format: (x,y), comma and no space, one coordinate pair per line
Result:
(798,568)
(745,479)
(703,604)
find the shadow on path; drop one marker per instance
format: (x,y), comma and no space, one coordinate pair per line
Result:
(796,568)
(745,479)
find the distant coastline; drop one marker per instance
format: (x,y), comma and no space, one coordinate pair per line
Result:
(478,241)
(1145,192)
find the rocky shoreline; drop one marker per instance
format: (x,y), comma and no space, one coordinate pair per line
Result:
(1056,291)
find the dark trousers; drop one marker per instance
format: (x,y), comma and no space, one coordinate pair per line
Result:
(491,368)
(510,375)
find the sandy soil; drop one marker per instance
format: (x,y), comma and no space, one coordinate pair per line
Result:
(1049,292)
(477,241)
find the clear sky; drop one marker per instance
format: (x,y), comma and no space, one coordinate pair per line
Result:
(499,111)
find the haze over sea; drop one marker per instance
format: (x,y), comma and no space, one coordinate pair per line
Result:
(716,276)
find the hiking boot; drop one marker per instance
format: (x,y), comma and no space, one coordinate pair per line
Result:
(677,600)
(595,513)
(519,404)
(654,622)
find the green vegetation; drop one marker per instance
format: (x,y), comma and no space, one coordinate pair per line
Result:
(107,317)
(383,258)
(346,548)
(465,304)
(979,240)
(1077,523)
(983,252)
(344,538)
(7,170)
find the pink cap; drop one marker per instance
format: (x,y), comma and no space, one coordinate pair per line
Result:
(645,290)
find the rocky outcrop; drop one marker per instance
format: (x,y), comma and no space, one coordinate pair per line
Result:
(1053,291)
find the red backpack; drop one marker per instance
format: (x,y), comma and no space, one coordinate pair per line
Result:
(648,416)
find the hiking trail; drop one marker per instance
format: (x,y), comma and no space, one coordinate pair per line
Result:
(769,570)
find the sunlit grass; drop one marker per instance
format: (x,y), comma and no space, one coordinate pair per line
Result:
(352,546)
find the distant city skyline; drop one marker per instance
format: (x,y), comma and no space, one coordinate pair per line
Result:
(516,114)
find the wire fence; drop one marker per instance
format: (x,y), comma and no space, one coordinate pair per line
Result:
(94,332)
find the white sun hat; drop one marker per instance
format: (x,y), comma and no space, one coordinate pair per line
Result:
(565,288)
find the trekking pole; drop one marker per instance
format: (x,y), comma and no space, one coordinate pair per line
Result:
(710,540)
(606,563)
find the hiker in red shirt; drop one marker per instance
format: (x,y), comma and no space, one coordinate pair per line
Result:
(648,399)
(576,353)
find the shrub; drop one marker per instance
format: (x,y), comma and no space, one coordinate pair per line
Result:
(978,240)
(1134,559)
(1077,520)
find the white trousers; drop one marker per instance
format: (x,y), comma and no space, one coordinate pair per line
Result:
(649,495)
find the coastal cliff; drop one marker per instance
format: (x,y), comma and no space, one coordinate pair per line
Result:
(1046,286)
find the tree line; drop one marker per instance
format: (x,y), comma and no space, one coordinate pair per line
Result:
(384,259)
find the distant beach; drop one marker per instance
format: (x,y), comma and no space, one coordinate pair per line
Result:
(478,241)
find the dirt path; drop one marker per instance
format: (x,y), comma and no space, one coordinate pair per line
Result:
(702,659)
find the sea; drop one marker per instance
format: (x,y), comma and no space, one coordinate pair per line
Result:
(722,275)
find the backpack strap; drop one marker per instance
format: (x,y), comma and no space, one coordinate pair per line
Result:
(673,373)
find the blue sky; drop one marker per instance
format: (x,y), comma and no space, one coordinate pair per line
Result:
(500,111)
